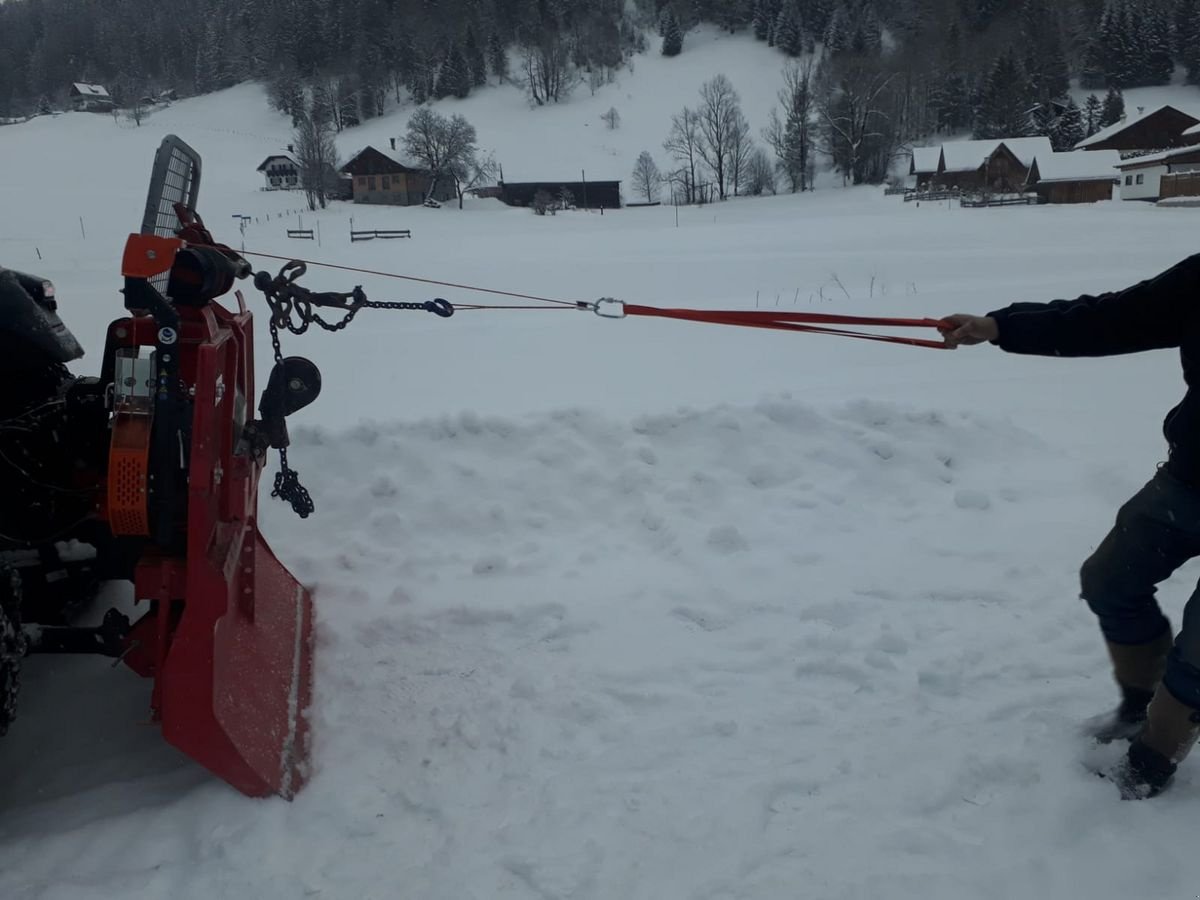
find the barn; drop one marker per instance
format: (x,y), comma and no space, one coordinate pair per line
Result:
(1075,177)
(584,194)
(1162,128)
(996,166)
(924,165)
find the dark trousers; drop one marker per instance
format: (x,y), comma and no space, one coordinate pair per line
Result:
(1157,531)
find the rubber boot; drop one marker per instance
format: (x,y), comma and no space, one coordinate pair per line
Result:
(1138,669)
(1170,733)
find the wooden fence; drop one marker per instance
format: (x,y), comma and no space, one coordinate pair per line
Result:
(1179,184)
(301,234)
(383,234)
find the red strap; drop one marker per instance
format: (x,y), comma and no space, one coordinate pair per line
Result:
(813,323)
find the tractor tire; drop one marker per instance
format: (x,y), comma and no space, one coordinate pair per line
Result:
(12,645)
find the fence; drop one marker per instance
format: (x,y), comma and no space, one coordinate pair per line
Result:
(897,189)
(950,194)
(383,234)
(980,201)
(1179,184)
(302,234)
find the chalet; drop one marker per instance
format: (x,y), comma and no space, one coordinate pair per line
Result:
(90,98)
(1171,173)
(281,172)
(381,177)
(998,166)
(1162,128)
(924,165)
(584,194)
(1076,177)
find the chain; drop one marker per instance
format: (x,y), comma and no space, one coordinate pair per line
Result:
(292,308)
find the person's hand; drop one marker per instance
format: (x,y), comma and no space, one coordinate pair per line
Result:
(965,330)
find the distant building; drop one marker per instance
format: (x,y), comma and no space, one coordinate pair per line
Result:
(1162,128)
(584,194)
(1075,177)
(90,98)
(1171,173)
(995,166)
(381,177)
(924,165)
(281,172)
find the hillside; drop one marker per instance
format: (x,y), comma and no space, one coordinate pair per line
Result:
(637,609)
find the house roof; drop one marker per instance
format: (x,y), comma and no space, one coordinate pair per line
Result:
(1194,131)
(1113,130)
(90,90)
(266,162)
(925,160)
(392,160)
(967,156)
(1156,159)
(1078,165)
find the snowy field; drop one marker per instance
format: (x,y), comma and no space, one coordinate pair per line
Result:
(638,609)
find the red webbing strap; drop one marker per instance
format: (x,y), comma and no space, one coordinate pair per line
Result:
(813,323)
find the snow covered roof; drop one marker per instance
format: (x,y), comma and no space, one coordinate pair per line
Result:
(1079,165)
(1194,131)
(1112,130)
(394,156)
(967,156)
(1155,159)
(266,162)
(90,90)
(925,160)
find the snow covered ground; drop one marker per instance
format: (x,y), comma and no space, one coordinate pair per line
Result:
(639,609)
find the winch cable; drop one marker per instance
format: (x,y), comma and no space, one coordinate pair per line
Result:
(808,323)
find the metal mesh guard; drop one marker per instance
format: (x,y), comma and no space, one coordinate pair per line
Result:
(175,179)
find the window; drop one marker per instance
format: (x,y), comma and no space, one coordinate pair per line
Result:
(371,183)
(387,182)
(1141,179)
(1129,179)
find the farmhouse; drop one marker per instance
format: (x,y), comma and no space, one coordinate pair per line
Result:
(1162,128)
(1076,177)
(90,98)
(998,166)
(282,173)
(381,177)
(1171,173)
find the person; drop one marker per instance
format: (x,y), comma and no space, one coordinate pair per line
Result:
(1156,531)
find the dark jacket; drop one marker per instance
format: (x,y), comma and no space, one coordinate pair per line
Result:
(1161,312)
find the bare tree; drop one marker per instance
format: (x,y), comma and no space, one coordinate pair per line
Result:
(683,143)
(722,126)
(791,137)
(760,175)
(859,133)
(612,119)
(472,173)
(438,143)
(547,69)
(316,155)
(646,177)
(741,146)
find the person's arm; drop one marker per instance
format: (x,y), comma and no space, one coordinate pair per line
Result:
(1151,315)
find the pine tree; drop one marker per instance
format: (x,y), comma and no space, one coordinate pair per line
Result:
(1114,107)
(1092,112)
(1157,65)
(454,78)
(788,35)
(497,56)
(1005,104)
(672,44)
(1069,129)
(837,37)
(761,22)
(1186,37)
(475,59)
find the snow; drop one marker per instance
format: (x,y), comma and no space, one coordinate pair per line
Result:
(91,90)
(925,159)
(1159,158)
(967,156)
(1194,131)
(1080,165)
(638,608)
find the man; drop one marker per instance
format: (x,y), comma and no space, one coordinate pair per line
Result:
(1156,531)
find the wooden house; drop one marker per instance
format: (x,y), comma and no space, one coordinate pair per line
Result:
(382,177)
(90,98)
(992,166)
(1162,128)
(1075,177)
(584,194)
(924,165)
